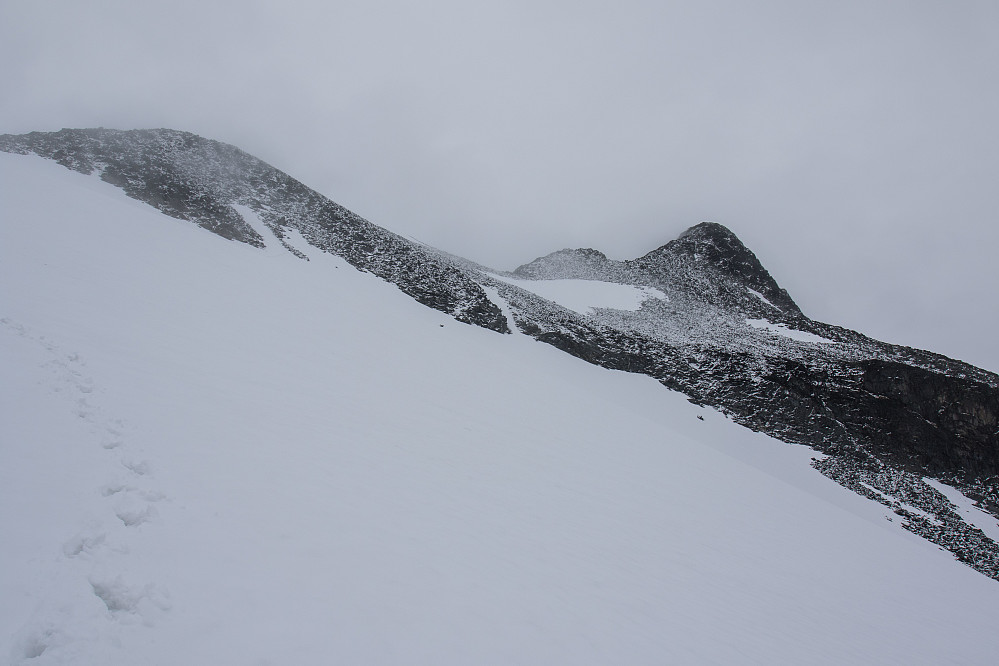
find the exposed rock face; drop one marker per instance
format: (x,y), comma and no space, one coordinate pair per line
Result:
(709,250)
(565,264)
(725,334)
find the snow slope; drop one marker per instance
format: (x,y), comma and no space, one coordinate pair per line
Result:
(211,453)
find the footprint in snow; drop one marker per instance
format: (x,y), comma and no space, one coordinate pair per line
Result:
(123,598)
(133,516)
(137,467)
(84,542)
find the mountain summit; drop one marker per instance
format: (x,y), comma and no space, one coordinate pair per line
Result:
(700,314)
(710,247)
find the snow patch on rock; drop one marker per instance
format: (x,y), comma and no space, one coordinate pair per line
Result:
(791,333)
(761,297)
(967,509)
(587,296)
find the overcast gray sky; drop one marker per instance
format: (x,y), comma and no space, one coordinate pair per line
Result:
(854,146)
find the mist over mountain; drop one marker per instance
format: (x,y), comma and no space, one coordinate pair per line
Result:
(276,346)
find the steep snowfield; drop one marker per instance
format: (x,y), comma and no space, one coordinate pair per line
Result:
(216,454)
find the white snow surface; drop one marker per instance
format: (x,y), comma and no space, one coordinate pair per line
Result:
(904,505)
(585,296)
(791,333)
(215,454)
(762,298)
(967,509)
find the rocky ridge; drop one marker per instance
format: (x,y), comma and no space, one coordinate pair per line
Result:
(882,417)
(200,180)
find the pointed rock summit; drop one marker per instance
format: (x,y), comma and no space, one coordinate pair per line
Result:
(707,262)
(712,248)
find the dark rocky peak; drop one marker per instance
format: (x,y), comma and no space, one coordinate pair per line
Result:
(714,234)
(84,150)
(582,263)
(710,250)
